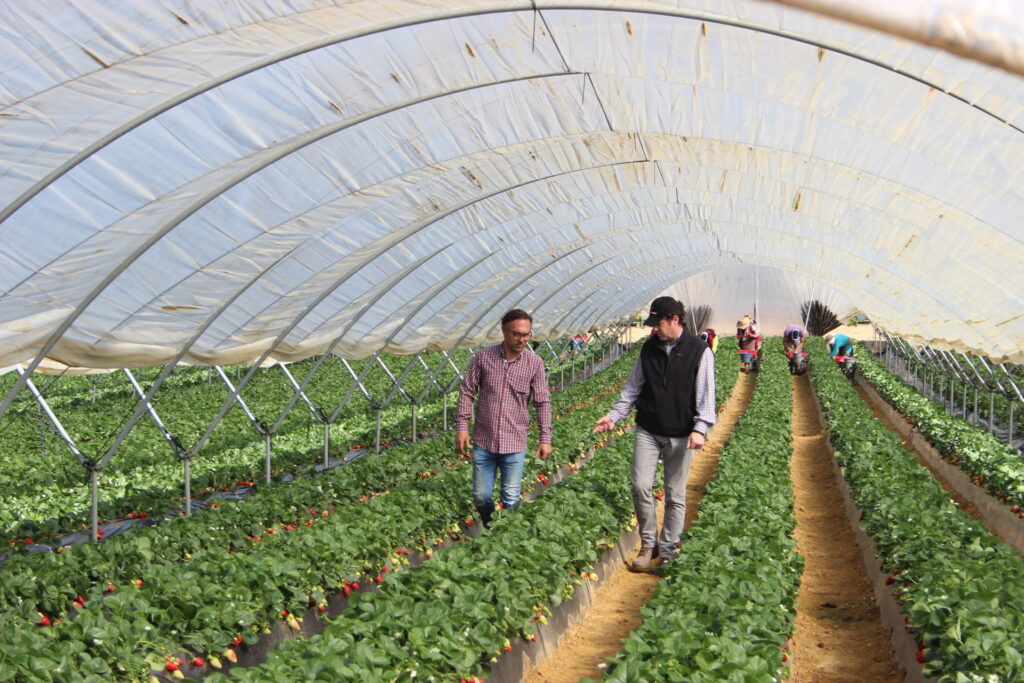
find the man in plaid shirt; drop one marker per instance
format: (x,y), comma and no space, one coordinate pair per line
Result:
(506,376)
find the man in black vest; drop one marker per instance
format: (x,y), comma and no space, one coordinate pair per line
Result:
(672,386)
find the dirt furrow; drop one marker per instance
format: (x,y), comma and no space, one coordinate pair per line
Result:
(616,611)
(838,636)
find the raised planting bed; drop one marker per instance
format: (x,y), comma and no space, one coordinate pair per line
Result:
(984,470)
(959,590)
(199,595)
(726,606)
(448,618)
(46,491)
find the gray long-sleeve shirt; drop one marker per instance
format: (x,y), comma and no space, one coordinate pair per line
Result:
(705,388)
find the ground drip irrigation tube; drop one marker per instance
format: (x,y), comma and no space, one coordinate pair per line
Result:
(891,616)
(1006,525)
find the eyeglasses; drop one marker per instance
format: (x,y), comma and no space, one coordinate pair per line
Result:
(520,335)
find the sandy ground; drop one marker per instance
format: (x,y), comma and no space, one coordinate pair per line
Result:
(838,636)
(616,611)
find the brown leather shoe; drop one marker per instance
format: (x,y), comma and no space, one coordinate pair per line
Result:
(642,561)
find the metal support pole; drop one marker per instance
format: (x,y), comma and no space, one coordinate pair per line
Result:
(991,411)
(327,443)
(376,442)
(94,478)
(266,458)
(964,403)
(976,417)
(444,412)
(415,436)
(1011,423)
(187,462)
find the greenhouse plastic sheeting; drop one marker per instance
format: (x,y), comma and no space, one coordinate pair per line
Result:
(210,183)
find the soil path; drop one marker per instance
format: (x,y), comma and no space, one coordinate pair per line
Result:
(838,636)
(616,610)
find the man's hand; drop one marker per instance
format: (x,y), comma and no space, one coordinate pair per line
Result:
(696,440)
(605,424)
(543,451)
(462,443)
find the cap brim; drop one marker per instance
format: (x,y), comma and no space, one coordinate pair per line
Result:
(652,320)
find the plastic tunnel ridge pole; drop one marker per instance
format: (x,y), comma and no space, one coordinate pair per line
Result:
(376,439)
(187,463)
(992,411)
(54,420)
(94,478)
(1010,436)
(266,458)
(327,442)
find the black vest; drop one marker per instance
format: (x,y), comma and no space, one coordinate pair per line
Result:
(667,404)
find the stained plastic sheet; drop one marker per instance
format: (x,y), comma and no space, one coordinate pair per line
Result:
(209,184)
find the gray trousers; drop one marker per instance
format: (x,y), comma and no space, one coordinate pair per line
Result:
(647,448)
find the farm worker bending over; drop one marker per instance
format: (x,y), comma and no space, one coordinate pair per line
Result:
(838,345)
(793,339)
(672,386)
(747,334)
(506,376)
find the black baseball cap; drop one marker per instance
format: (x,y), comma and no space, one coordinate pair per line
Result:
(662,307)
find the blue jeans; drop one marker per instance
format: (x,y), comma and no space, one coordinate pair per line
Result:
(647,449)
(485,467)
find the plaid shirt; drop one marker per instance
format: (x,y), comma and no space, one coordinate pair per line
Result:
(502,417)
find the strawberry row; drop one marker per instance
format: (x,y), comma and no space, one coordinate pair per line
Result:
(959,587)
(448,618)
(989,462)
(230,524)
(46,490)
(203,601)
(726,607)
(445,620)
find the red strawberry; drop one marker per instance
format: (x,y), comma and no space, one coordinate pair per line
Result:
(237,641)
(138,582)
(198,661)
(889,580)
(171,666)
(44,620)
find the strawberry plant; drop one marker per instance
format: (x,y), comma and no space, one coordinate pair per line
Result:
(726,606)
(960,588)
(988,461)
(220,561)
